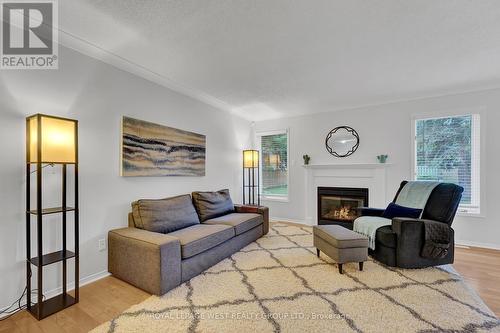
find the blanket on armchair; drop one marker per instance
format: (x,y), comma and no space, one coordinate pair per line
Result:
(368,225)
(414,194)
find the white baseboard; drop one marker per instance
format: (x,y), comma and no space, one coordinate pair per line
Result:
(477,244)
(83,281)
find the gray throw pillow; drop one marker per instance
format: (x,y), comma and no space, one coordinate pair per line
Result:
(165,215)
(212,204)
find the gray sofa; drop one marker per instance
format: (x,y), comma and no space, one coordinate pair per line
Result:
(171,240)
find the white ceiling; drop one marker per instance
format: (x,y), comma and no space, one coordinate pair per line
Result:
(265,59)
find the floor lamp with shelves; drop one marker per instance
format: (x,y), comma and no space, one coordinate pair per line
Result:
(50,141)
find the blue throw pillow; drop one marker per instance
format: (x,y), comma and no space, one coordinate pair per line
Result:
(394,210)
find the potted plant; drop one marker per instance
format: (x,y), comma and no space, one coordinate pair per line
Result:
(306,158)
(382,158)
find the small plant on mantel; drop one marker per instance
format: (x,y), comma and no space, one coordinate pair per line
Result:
(306,158)
(382,158)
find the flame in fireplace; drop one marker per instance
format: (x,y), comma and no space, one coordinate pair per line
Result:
(343,213)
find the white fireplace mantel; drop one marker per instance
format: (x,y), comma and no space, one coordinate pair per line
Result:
(365,175)
(348,166)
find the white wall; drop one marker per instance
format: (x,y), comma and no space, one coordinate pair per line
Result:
(387,129)
(98,95)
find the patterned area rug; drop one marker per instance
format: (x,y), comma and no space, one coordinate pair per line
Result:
(277,284)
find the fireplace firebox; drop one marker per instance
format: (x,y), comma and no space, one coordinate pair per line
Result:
(339,205)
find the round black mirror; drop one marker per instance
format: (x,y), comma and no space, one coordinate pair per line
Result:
(342,141)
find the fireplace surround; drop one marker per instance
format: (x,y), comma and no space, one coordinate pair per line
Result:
(339,205)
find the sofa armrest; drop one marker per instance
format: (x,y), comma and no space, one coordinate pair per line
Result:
(262,210)
(367,211)
(148,260)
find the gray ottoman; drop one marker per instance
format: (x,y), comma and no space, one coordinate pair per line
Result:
(341,244)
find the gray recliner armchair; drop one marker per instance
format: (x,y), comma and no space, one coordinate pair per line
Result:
(402,243)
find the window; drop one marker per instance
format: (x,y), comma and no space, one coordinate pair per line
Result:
(274,164)
(447,149)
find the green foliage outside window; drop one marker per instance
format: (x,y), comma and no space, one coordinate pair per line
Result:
(444,151)
(274,149)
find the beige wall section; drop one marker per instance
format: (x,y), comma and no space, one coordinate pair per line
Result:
(98,95)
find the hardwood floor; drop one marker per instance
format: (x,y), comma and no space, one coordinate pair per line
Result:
(102,300)
(481,269)
(99,302)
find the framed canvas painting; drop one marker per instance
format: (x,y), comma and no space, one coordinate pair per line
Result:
(149,149)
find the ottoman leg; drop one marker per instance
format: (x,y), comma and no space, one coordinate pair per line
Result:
(317,252)
(340,269)
(360,265)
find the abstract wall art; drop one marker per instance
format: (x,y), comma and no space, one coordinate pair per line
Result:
(150,149)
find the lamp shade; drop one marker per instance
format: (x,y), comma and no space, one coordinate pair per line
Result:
(250,158)
(274,160)
(54,139)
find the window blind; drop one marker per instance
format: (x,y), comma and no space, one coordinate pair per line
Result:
(274,164)
(447,150)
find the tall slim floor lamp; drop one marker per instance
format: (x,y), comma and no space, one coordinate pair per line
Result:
(50,141)
(251,180)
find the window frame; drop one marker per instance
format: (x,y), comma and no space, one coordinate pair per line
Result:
(258,135)
(475,208)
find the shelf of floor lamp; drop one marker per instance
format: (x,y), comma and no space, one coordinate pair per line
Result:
(53,210)
(53,305)
(52,258)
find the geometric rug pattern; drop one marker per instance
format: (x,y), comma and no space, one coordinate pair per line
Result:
(277,284)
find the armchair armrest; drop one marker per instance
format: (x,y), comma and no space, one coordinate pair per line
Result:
(367,211)
(403,225)
(148,260)
(262,210)
(411,237)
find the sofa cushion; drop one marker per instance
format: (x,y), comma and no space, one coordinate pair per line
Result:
(386,237)
(165,215)
(201,237)
(212,204)
(241,222)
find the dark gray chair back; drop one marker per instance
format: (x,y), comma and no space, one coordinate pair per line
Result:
(442,204)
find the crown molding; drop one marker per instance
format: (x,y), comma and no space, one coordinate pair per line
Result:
(92,50)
